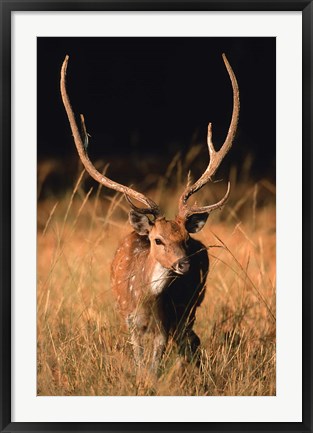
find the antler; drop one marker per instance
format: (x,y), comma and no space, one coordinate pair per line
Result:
(152,207)
(216,157)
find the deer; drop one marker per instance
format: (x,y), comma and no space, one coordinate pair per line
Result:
(159,271)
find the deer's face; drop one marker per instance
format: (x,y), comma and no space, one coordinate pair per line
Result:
(168,239)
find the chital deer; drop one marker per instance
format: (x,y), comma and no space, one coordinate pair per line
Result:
(159,272)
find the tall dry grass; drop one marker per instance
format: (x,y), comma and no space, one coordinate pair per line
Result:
(84,348)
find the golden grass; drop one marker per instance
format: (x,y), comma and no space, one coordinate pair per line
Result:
(83,347)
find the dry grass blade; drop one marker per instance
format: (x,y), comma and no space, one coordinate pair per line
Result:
(49,218)
(261,297)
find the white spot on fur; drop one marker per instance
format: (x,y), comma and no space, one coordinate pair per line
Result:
(127,259)
(158,279)
(132,278)
(131,287)
(119,282)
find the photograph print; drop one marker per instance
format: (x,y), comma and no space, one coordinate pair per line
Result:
(156,216)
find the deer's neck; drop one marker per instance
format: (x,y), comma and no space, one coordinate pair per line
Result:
(158,276)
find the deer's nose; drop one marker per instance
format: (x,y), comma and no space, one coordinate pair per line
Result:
(181,266)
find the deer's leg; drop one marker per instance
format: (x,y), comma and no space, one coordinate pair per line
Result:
(188,345)
(159,344)
(137,325)
(137,345)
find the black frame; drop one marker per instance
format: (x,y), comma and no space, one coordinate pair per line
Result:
(7,6)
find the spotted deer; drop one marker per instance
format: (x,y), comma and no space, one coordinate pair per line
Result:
(159,271)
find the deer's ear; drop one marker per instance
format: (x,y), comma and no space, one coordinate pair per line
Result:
(194,223)
(140,223)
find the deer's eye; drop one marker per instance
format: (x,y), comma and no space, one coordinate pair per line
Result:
(158,241)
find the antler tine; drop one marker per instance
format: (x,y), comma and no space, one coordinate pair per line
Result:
(144,211)
(202,209)
(216,157)
(82,152)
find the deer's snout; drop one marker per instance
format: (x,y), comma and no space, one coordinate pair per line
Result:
(181,266)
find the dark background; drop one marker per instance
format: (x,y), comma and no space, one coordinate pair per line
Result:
(145,99)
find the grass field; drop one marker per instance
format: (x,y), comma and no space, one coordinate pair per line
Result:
(83,346)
